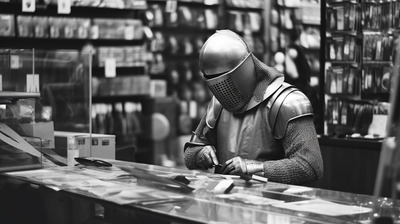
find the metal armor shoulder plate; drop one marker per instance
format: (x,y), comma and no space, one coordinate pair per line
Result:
(288,103)
(213,111)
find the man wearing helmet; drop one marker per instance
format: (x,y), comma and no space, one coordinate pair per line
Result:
(255,123)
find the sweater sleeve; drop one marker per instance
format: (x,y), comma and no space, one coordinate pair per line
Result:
(303,161)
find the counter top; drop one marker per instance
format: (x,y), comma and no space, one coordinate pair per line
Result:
(363,143)
(158,190)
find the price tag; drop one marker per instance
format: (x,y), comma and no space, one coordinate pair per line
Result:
(32,83)
(193,109)
(14,62)
(210,2)
(378,125)
(110,67)
(28,5)
(1,82)
(171,6)
(94,32)
(129,33)
(147,31)
(64,6)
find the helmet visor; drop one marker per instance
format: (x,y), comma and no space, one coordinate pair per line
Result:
(234,88)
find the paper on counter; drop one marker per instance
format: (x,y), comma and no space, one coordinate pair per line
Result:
(249,199)
(323,207)
(297,190)
(101,183)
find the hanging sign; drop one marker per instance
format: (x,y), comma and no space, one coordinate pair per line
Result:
(28,5)
(32,83)
(110,67)
(171,6)
(64,6)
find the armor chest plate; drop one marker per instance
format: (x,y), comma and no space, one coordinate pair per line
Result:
(247,135)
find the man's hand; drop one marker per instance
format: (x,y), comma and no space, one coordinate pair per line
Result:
(237,166)
(207,158)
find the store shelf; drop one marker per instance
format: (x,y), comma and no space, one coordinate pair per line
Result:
(381,97)
(342,32)
(339,2)
(352,63)
(370,91)
(55,43)
(120,98)
(183,30)
(316,23)
(243,9)
(121,71)
(177,57)
(366,62)
(200,4)
(76,11)
(360,143)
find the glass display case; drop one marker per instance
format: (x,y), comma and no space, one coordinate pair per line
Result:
(41,92)
(129,192)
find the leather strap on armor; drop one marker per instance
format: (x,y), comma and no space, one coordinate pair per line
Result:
(195,141)
(213,112)
(286,104)
(198,137)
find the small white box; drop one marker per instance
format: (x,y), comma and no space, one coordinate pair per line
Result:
(94,145)
(158,88)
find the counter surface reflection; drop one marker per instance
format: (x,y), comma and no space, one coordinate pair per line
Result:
(193,196)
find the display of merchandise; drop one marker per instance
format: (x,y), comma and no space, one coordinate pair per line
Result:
(124,56)
(296,22)
(113,32)
(294,46)
(147,90)
(77,28)
(178,30)
(7,25)
(118,4)
(166,55)
(149,50)
(359,44)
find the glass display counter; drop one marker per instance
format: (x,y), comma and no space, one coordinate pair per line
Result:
(131,192)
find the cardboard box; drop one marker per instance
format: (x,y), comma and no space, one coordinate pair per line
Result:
(42,130)
(84,144)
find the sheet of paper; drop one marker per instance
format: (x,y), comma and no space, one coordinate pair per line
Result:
(249,199)
(30,173)
(88,181)
(323,207)
(297,190)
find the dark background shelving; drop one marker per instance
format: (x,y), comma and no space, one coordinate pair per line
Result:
(76,11)
(60,43)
